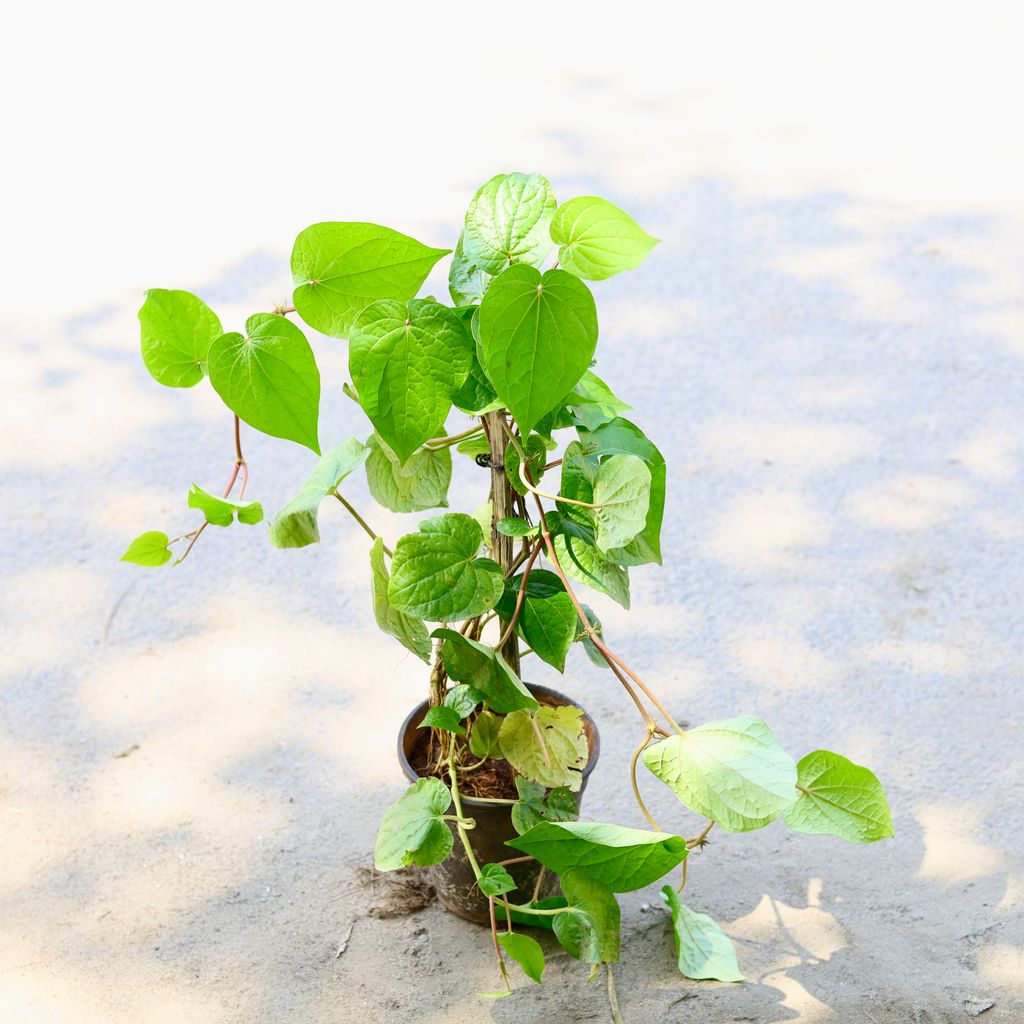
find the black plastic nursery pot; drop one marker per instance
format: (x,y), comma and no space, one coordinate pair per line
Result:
(453,880)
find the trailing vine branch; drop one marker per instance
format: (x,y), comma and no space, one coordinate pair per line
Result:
(362,522)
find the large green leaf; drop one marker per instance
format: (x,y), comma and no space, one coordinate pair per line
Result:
(547,619)
(597,239)
(412,831)
(296,524)
(421,482)
(410,632)
(564,753)
(621,437)
(437,575)
(705,951)
(622,490)
(526,952)
(535,805)
(586,564)
(178,329)
(591,932)
(537,336)
(621,859)
(407,360)
(221,511)
(269,378)
(839,798)
(469,661)
(466,281)
(732,771)
(508,221)
(340,267)
(149,549)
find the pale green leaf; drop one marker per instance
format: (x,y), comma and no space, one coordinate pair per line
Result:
(494,880)
(526,952)
(421,482)
(839,798)
(177,330)
(513,527)
(597,239)
(466,281)
(412,831)
(622,489)
(591,931)
(621,859)
(407,361)
(535,804)
(341,267)
(221,511)
(593,403)
(149,549)
(296,524)
(585,563)
(564,741)
(269,378)
(588,645)
(437,575)
(547,619)
(409,631)
(705,951)
(508,221)
(483,668)
(474,446)
(483,735)
(537,337)
(732,771)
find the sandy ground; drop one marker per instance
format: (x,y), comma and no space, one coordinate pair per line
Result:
(829,349)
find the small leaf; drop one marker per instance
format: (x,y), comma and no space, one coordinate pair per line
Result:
(269,378)
(441,717)
(513,527)
(622,489)
(483,735)
(591,932)
(296,524)
(508,221)
(592,402)
(526,952)
(598,240)
(474,446)
(532,806)
(437,575)
(463,699)
(705,951)
(547,619)
(408,360)
(588,645)
(421,482)
(494,880)
(341,267)
(621,859)
(178,329)
(839,798)
(412,831)
(466,281)
(149,549)
(221,511)
(732,771)
(469,661)
(537,337)
(564,741)
(410,632)
(586,564)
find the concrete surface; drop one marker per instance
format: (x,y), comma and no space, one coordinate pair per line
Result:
(829,349)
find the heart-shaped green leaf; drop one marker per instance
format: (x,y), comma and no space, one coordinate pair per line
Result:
(598,240)
(534,805)
(547,619)
(341,267)
(441,717)
(494,880)
(591,931)
(526,952)
(463,699)
(437,575)
(178,329)
(269,378)
(547,745)
(621,859)
(508,221)
(149,549)
(485,670)
(537,336)
(622,488)
(296,524)
(409,631)
(586,564)
(407,361)
(705,951)
(839,798)
(412,831)
(483,735)
(732,771)
(221,511)
(421,482)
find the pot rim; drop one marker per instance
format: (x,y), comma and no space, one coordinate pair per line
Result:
(412,721)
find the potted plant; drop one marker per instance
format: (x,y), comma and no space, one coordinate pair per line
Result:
(575,498)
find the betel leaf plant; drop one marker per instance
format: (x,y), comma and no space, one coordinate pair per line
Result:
(575,497)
